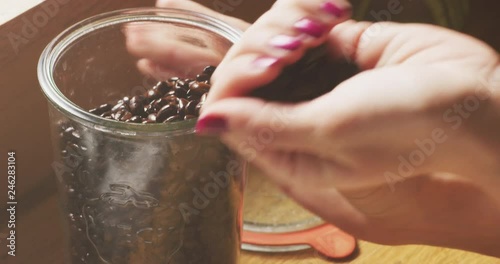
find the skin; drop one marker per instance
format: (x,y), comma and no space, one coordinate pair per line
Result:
(354,155)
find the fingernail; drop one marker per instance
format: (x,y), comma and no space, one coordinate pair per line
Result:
(266,62)
(310,27)
(286,42)
(211,125)
(332,9)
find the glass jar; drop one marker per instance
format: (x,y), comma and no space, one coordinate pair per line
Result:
(139,193)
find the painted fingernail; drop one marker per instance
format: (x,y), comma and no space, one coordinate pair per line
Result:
(286,42)
(332,9)
(211,125)
(310,27)
(265,62)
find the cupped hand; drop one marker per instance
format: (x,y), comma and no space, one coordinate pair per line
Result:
(406,151)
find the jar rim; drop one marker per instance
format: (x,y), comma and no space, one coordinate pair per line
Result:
(55,48)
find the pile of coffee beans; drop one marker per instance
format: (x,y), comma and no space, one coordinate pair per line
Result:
(168,101)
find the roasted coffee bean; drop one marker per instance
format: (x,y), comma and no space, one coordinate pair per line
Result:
(181,84)
(106,114)
(169,99)
(180,92)
(135,119)
(162,87)
(198,109)
(209,70)
(203,97)
(71,134)
(136,105)
(181,106)
(152,118)
(174,99)
(101,109)
(149,109)
(118,115)
(152,94)
(171,92)
(191,107)
(166,112)
(198,89)
(193,98)
(126,116)
(119,106)
(202,77)
(173,119)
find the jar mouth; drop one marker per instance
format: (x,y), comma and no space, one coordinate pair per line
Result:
(56,47)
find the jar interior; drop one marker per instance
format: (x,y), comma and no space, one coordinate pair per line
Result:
(107,60)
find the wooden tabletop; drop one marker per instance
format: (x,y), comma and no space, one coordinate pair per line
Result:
(39,233)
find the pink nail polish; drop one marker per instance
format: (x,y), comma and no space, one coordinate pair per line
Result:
(333,9)
(265,62)
(286,42)
(211,125)
(310,27)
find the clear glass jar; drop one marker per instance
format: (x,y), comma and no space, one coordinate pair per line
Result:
(136,193)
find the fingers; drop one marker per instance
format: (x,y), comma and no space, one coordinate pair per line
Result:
(193,6)
(165,52)
(278,38)
(164,47)
(249,122)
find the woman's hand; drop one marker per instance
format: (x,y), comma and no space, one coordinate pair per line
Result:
(163,50)
(405,152)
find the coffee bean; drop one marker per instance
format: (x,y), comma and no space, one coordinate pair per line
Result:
(152,94)
(135,119)
(198,109)
(152,118)
(149,109)
(119,106)
(173,119)
(136,105)
(162,87)
(198,89)
(193,97)
(172,100)
(70,134)
(180,92)
(126,116)
(106,114)
(209,70)
(181,84)
(101,109)
(191,107)
(181,106)
(202,77)
(166,112)
(203,97)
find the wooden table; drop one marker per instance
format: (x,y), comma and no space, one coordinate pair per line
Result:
(25,130)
